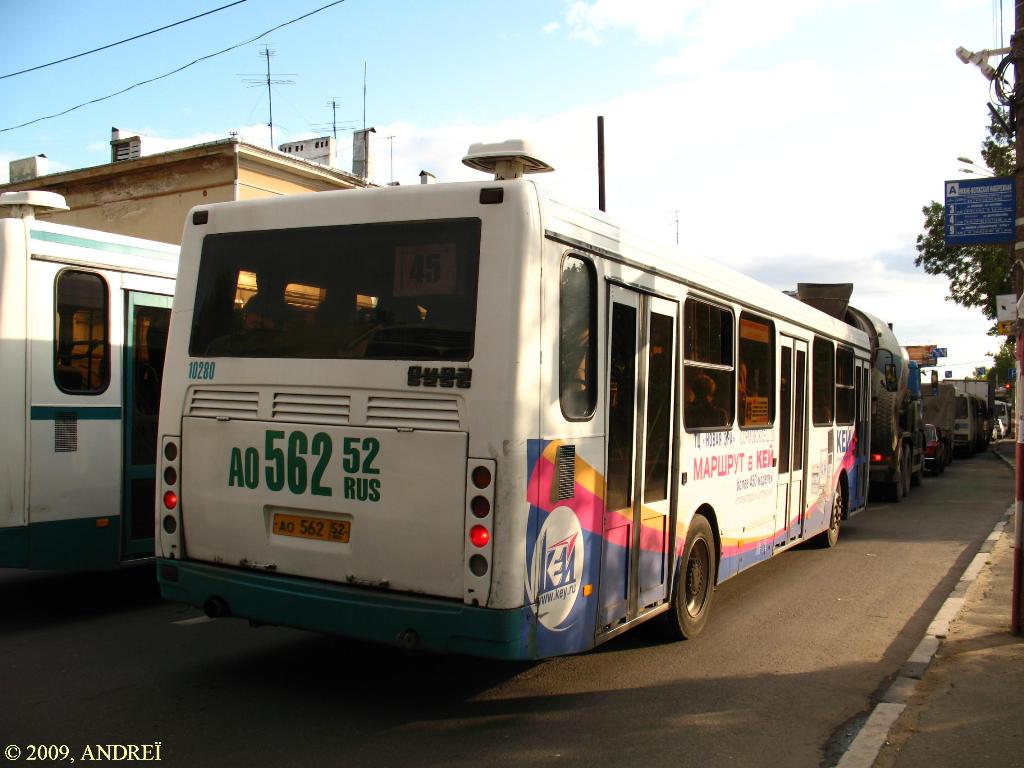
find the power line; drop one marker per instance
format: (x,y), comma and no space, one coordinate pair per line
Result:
(119,42)
(173,71)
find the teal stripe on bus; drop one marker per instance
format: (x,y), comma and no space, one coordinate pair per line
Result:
(99,245)
(83,412)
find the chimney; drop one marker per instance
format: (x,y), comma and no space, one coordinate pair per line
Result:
(319,150)
(361,160)
(426,177)
(124,145)
(28,168)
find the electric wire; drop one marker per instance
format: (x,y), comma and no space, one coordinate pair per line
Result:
(119,42)
(173,71)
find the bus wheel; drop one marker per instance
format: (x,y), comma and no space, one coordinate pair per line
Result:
(695,582)
(829,538)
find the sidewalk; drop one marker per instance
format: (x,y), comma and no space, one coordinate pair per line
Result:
(967,708)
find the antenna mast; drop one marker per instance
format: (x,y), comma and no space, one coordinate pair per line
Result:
(267,53)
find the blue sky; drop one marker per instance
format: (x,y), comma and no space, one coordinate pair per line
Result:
(798,139)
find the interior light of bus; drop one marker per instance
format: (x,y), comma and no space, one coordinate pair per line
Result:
(170,499)
(481,507)
(479,536)
(481,477)
(170,451)
(170,476)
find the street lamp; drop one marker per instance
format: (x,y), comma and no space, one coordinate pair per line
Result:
(975,168)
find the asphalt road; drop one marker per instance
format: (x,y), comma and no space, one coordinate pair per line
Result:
(794,654)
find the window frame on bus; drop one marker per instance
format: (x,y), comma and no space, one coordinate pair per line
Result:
(820,387)
(769,384)
(847,389)
(106,362)
(589,363)
(693,366)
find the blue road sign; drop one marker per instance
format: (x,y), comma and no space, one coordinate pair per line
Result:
(980,211)
(940,352)
(948,375)
(1013,374)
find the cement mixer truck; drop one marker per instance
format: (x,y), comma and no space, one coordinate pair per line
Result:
(897,423)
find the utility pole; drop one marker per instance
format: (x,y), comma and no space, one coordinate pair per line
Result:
(1017,115)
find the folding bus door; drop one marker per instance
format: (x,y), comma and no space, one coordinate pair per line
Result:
(146,320)
(792,481)
(641,421)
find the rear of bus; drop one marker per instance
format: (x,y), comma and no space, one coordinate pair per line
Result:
(350,387)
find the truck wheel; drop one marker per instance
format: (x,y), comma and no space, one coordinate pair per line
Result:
(915,477)
(695,583)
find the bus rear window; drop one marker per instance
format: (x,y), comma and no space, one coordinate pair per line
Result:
(404,291)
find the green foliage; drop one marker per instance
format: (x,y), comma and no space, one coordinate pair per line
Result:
(1003,361)
(976,273)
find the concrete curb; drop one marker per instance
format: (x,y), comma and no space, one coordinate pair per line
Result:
(864,749)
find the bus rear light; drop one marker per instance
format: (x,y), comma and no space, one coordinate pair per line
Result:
(478,565)
(170,499)
(481,477)
(481,507)
(170,451)
(170,476)
(479,535)
(170,524)
(877,458)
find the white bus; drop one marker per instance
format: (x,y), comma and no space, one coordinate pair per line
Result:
(83,328)
(466,417)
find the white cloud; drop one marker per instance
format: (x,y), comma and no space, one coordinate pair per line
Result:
(817,171)
(551,27)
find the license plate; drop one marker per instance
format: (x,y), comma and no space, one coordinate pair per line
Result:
(318,528)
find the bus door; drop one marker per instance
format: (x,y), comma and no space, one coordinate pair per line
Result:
(789,517)
(641,421)
(145,342)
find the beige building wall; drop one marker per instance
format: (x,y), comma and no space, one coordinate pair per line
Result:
(151,196)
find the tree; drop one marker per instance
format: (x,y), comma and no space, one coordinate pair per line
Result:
(977,273)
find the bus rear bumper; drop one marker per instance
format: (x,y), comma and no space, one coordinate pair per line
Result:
(402,620)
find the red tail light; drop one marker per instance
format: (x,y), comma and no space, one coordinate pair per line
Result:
(170,499)
(877,458)
(479,536)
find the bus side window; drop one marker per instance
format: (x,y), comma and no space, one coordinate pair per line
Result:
(709,375)
(577,339)
(823,380)
(81,336)
(844,386)
(755,392)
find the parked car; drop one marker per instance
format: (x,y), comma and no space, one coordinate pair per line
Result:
(998,429)
(934,451)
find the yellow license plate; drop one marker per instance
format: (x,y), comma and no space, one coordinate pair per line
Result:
(318,528)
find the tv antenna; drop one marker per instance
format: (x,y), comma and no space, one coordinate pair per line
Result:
(259,80)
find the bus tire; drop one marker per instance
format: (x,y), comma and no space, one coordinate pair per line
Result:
(694,584)
(830,536)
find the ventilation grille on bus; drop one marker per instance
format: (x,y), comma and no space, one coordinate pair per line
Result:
(232,404)
(311,407)
(65,432)
(414,413)
(564,486)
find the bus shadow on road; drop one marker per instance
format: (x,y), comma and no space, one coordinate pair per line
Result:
(36,599)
